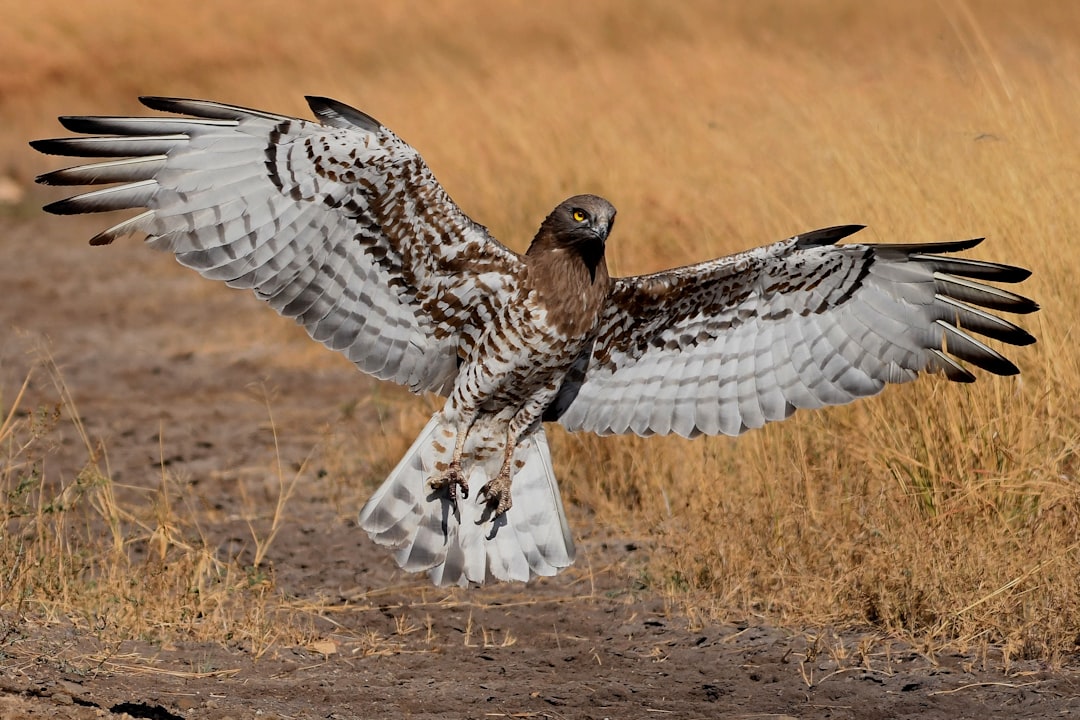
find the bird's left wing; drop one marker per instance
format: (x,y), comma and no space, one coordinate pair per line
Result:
(728,345)
(337,223)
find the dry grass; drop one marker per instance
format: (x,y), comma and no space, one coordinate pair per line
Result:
(139,568)
(940,513)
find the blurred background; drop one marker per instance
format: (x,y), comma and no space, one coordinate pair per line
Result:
(708,124)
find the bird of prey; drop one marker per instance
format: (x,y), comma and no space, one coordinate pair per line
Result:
(339,224)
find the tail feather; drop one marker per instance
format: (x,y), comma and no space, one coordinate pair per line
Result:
(467,545)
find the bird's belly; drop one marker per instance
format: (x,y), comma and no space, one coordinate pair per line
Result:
(517,364)
(524,385)
(534,372)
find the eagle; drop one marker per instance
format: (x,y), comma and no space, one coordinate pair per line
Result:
(339,224)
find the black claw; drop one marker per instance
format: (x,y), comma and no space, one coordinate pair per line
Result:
(498,501)
(451,481)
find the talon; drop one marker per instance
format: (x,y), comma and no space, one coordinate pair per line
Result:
(497,494)
(452,479)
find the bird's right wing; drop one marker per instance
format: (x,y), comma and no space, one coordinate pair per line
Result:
(338,224)
(730,344)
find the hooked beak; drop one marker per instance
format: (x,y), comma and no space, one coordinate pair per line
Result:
(602,228)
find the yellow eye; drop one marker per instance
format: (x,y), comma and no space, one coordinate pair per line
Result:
(579,216)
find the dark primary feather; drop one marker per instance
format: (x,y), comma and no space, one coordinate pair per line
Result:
(338,114)
(203,109)
(126,170)
(120,197)
(109,146)
(827,236)
(136,126)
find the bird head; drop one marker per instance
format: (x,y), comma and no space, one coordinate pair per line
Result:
(581,220)
(581,223)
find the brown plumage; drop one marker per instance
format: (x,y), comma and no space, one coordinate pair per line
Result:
(340,224)
(566,265)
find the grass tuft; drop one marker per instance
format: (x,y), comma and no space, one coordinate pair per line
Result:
(74,552)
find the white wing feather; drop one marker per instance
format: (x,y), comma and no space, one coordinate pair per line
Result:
(338,224)
(731,344)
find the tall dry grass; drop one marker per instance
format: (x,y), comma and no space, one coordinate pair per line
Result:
(937,512)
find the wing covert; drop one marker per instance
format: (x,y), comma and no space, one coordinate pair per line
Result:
(338,224)
(731,344)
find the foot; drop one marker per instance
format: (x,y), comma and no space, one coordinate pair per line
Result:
(497,494)
(452,479)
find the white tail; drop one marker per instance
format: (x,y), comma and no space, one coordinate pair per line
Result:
(531,538)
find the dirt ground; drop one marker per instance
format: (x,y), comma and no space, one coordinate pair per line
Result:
(168,368)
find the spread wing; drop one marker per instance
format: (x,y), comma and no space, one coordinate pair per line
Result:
(731,344)
(338,224)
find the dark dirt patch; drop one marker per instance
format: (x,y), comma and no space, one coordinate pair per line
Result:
(168,369)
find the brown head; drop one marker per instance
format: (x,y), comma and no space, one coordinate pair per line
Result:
(579,225)
(566,262)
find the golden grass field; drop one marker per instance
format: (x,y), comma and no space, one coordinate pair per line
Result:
(948,515)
